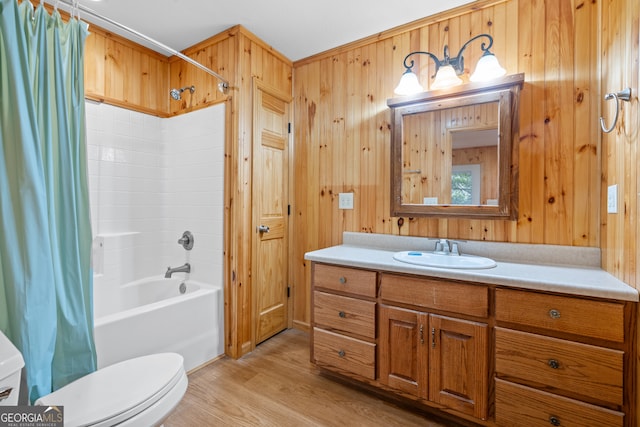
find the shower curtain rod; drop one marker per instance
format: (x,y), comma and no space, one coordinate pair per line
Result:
(223,86)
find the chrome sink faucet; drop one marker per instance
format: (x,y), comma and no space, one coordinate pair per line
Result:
(445,247)
(186,268)
(442,246)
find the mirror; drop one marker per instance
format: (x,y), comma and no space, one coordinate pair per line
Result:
(454,152)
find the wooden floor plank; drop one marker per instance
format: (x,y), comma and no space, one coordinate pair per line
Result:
(276,385)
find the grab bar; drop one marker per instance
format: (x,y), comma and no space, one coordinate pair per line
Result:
(624,95)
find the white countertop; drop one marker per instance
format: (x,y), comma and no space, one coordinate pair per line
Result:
(581,280)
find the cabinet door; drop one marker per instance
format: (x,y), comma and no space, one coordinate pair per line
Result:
(458,370)
(403,354)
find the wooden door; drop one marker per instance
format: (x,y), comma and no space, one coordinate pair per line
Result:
(270,210)
(459,364)
(403,354)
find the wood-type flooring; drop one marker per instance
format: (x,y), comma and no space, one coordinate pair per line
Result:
(276,385)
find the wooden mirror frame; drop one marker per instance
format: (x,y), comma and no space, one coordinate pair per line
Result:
(506,93)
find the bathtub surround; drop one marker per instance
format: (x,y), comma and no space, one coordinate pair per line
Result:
(150,180)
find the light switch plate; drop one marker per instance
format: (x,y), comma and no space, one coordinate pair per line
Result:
(345,200)
(612,199)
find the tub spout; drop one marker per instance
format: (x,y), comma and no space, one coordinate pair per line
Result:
(186,268)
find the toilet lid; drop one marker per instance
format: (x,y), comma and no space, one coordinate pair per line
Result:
(119,391)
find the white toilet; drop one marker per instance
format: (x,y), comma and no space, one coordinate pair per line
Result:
(137,392)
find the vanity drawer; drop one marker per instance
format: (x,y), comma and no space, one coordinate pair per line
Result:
(518,405)
(437,294)
(592,371)
(596,319)
(345,353)
(345,279)
(344,313)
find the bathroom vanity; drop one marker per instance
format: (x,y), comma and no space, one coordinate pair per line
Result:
(519,344)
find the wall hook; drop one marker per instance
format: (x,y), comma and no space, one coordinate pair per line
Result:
(624,95)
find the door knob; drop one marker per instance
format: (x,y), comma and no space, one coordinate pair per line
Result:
(263,229)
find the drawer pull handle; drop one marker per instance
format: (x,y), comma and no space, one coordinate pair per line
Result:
(421,334)
(553,364)
(554,421)
(341,353)
(554,314)
(433,337)
(343,280)
(341,314)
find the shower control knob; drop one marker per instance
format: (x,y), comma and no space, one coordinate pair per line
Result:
(187,240)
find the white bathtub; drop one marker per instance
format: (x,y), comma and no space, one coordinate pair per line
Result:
(151,316)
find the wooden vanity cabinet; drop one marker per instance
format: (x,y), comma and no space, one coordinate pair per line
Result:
(440,358)
(437,358)
(491,355)
(403,353)
(402,333)
(344,320)
(559,360)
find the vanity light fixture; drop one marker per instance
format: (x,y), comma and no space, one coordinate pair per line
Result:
(448,69)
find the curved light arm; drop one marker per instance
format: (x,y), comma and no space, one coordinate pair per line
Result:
(482,46)
(409,65)
(458,61)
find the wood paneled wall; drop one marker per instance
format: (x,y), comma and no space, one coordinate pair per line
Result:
(120,72)
(620,67)
(342,128)
(620,56)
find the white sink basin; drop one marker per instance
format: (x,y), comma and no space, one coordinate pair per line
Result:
(430,259)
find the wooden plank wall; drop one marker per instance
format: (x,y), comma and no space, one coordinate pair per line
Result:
(620,68)
(123,73)
(218,53)
(620,57)
(342,128)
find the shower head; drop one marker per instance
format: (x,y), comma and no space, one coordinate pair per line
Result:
(177,93)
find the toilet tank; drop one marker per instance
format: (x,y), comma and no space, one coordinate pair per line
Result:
(11,363)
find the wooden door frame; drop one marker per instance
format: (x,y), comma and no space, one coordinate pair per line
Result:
(258,84)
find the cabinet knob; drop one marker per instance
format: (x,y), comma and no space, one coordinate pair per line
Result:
(554,421)
(343,280)
(341,314)
(341,353)
(553,364)
(554,314)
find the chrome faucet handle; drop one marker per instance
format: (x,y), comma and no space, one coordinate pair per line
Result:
(445,246)
(454,248)
(187,240)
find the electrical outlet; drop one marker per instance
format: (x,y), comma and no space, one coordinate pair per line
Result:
(612,199)
(345,200)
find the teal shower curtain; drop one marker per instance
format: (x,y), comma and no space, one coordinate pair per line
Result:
(46,305)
